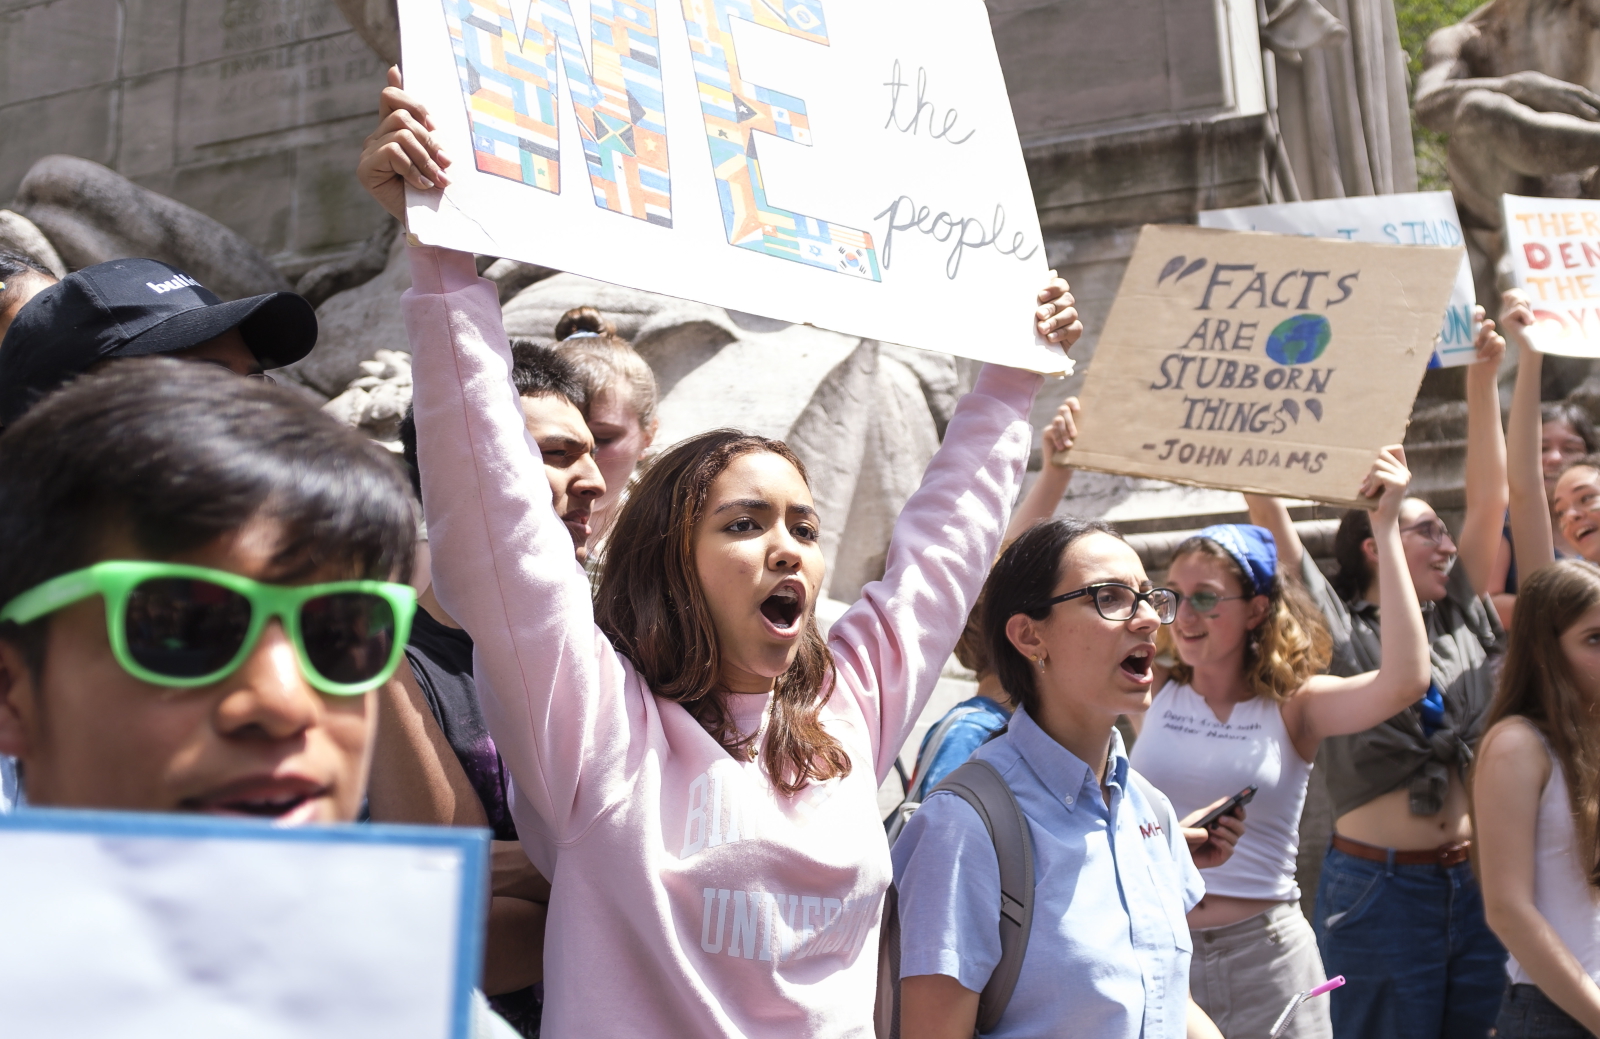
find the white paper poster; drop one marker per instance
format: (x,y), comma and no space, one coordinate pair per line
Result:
(161,926)
(1554,248)
(1416,218)
(852,164)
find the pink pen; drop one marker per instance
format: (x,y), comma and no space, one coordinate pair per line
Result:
(1294,1004)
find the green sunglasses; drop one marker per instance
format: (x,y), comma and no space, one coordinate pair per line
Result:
(187,626)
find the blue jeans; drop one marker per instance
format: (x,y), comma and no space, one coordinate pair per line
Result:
(1527,1013)
(1412,943)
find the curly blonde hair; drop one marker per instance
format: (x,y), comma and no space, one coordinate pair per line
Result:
(1284,650)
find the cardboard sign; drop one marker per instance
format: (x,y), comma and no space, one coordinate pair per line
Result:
(157,926)
(1554,248)
(1260,362)
(852,165)
(1416,218)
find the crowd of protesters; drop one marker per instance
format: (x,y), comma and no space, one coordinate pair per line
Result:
(217,599)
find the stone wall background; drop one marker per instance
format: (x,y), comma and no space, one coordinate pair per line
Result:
(251,111)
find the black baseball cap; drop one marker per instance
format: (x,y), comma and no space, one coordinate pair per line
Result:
(136,308)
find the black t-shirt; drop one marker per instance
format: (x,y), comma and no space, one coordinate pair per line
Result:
(441,660)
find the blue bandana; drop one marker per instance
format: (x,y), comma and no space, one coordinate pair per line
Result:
(1253,548)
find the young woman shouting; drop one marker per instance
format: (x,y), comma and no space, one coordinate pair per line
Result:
(695,770)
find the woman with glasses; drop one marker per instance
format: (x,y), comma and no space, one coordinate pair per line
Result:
(1070,625)
(1245,705)
(1397,910)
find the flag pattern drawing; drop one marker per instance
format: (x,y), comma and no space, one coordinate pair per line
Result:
(508,80)
(735,110)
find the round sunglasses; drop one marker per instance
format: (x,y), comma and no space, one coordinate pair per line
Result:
(183,626)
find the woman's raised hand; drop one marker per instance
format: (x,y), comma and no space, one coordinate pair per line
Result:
(401,150)
(1058,436)
(1491,346)
(1057,317)
(1516,315)
(1387,482)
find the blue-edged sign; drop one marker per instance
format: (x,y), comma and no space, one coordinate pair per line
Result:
(135,925)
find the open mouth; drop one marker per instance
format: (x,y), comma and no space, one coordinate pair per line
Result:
(1136,665)
(285,801)
(578,524)
(783,607)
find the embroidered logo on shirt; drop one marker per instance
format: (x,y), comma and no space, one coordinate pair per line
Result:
(1148,830)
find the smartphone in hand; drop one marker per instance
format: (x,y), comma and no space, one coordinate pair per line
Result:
(1227,807)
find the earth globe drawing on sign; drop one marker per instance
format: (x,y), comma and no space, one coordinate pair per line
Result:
(1299,340)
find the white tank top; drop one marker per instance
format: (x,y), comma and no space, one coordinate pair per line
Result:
(1560,892)
(1194,759)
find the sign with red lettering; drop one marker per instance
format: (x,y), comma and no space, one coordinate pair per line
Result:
(1261,362)
(1554,246)
(851,164)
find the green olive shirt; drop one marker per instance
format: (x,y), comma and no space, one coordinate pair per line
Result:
(1465,644)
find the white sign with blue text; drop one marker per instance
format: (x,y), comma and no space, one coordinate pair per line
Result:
(851,164)
(1415,218)
(160,926)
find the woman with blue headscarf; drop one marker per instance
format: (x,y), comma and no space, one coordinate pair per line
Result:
(1245,704)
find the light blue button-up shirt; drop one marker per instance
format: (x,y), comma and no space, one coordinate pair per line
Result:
(1108,956)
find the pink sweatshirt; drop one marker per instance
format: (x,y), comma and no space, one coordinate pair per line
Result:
(689,898)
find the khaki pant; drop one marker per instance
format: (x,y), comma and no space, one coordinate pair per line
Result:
(1244,974)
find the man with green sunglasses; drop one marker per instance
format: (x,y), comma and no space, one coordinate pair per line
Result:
(199,597)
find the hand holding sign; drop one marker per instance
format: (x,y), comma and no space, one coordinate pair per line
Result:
(1058,317)
(401,150)
(1387,482)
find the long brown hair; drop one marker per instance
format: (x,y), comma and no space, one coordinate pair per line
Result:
(1284,650)
(652,608)
(1536,684)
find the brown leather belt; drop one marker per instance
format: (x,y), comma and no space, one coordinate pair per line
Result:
(1452,854)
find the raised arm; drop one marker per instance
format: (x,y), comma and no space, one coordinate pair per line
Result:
(889,647)
(1329,706)
(1055,472)
(1272,514)
(1486,462)
(1530,509)
(554,692)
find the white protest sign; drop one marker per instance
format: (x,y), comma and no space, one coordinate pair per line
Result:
(853,165)
(158,926)
(1554,248)
(1414,218)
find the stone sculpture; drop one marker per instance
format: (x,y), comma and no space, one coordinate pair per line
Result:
(91,214)
(1514,85)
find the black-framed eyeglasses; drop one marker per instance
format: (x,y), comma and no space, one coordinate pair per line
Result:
(1205,602)
(1118,602)
(1433,531)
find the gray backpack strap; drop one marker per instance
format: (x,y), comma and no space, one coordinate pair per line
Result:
(980,785)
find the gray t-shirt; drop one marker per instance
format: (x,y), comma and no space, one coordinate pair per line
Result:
(1465,643)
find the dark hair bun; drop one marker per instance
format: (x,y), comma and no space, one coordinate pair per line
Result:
(583,319)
